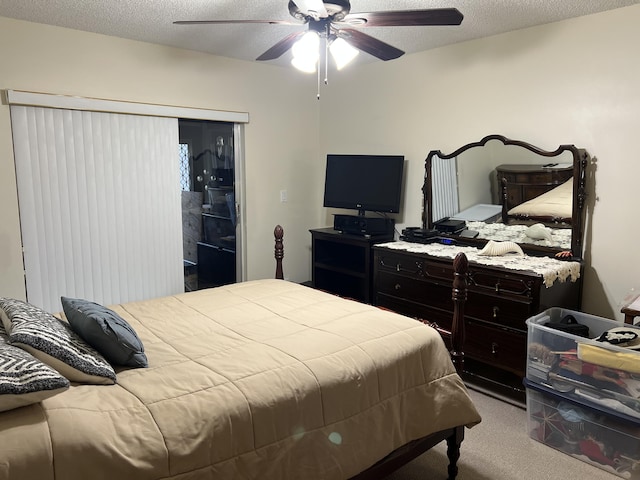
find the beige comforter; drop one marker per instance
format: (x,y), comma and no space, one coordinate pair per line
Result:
(258,380)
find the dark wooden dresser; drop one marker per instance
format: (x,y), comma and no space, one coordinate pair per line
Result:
(498,304)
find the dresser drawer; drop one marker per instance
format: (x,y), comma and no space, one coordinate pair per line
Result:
(499,283)
(531,177)
(413,267)
(495,346)
(434,294)
(399,263)
(504,312)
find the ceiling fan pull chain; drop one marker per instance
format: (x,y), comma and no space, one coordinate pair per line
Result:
(326,57)
(318,94)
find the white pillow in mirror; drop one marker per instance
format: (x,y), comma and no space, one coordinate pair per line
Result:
(538,232)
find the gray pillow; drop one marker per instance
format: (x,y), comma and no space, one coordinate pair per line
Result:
(52,341)
(23,378)
(106,331)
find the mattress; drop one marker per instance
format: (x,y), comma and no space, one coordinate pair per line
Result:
(264,379)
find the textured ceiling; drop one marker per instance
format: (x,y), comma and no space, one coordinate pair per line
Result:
(151,21)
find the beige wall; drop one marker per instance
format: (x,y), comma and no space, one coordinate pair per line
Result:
(281,138)
(573,82)
(569,82)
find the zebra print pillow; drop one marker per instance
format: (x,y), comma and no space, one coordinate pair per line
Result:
(52,341)
(23,378)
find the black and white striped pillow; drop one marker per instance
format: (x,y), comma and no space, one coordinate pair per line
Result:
(52,341)
(23,378)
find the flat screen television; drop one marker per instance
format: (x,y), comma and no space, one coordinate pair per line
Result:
(364,182)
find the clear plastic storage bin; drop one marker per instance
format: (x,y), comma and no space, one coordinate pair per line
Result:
(586,370)
(593,435)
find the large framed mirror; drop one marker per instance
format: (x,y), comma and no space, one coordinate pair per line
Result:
(508,190)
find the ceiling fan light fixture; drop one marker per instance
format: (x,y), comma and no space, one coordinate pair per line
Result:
(342,52)
(306,52)
(303,65)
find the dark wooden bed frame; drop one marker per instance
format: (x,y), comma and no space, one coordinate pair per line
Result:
(453,436)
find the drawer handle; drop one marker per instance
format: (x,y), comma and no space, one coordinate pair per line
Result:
(496,310)
(397,286)
(494,348)
(398,267)
(498,286)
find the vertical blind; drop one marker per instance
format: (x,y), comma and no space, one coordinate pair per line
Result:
(445,188)
(99,200)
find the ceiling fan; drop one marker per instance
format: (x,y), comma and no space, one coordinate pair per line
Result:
(333,21)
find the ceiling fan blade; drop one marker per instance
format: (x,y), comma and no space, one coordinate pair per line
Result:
(314,8)
(367,43)
(401,18)
(222,22)
(282,46)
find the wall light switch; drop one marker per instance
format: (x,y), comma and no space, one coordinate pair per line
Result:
(283,196)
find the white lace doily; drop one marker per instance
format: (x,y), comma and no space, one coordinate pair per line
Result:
(560,237)
(552,270)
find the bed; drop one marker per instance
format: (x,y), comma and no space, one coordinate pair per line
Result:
(264,379)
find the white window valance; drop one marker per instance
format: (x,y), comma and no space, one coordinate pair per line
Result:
(19,97)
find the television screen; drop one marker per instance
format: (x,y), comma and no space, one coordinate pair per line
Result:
(364,182)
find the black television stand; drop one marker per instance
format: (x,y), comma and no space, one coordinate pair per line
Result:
(342,263)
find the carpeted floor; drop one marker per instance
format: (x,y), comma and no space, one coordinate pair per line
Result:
(500,448)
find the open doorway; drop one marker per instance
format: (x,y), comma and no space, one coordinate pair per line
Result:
(209,207)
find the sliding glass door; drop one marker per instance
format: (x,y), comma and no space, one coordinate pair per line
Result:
(209,208)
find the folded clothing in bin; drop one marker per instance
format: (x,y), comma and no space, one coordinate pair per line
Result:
(569,324)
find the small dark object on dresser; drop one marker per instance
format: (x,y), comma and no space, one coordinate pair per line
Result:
(570,325)
(448,225)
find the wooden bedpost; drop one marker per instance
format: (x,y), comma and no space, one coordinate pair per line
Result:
(459,296)
(278,233)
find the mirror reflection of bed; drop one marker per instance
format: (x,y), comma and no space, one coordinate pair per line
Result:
(550,202)
(508,190)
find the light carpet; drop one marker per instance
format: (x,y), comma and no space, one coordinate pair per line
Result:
(500,448)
